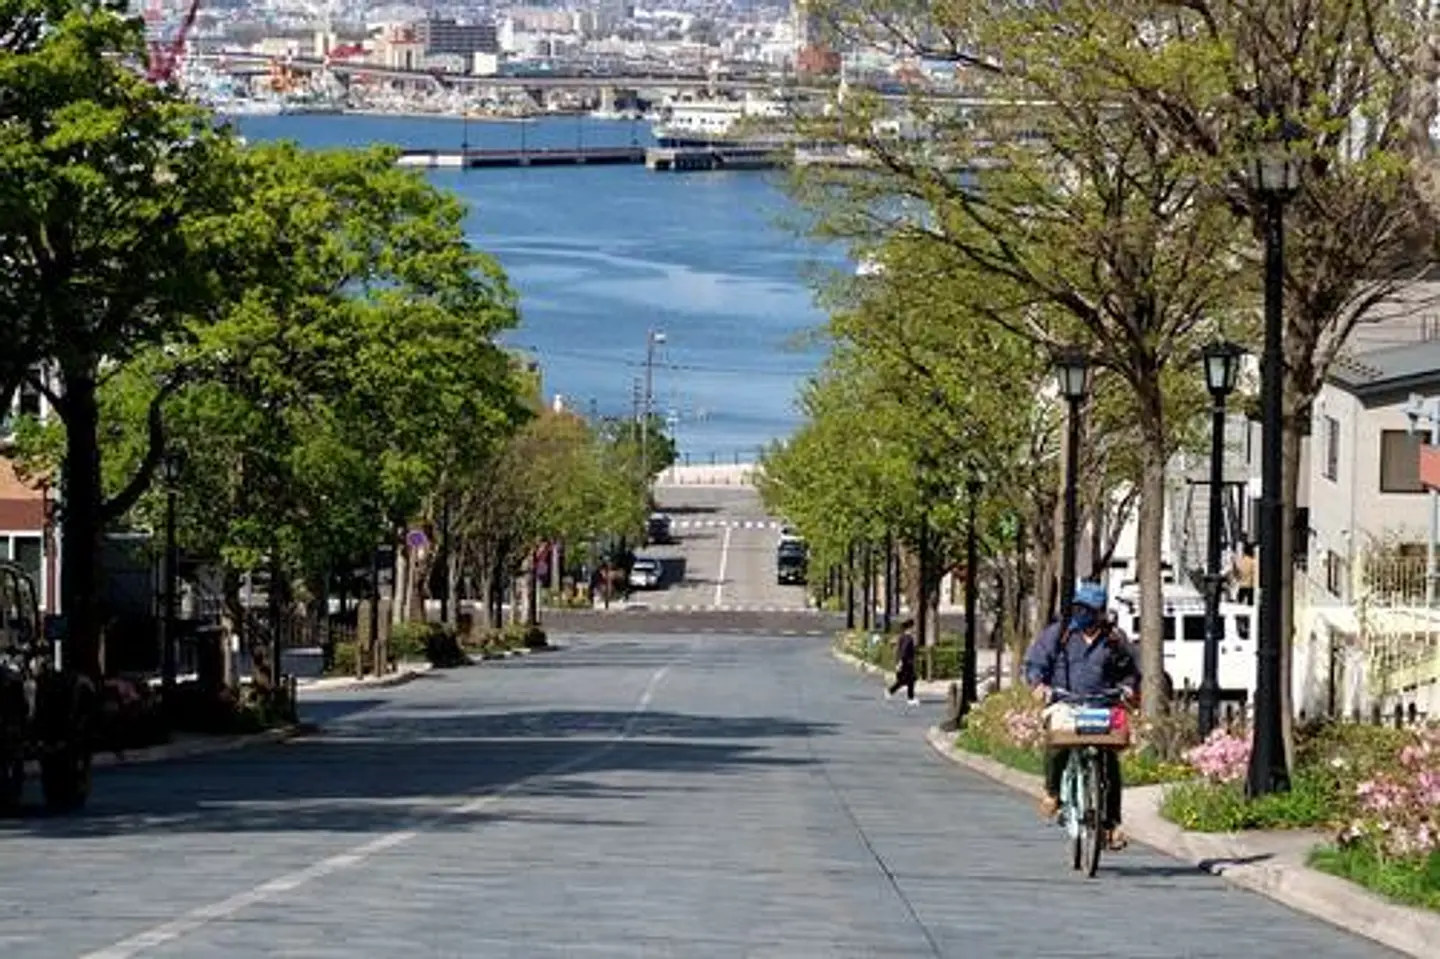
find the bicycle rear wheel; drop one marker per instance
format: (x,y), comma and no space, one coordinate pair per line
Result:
(1094,826)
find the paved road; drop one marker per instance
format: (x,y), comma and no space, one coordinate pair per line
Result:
(724,555)
(705,796)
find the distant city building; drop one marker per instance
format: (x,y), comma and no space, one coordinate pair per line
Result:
(447,36)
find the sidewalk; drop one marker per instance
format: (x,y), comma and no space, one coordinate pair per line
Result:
(1269,863)
(932,689)
(406,672)
(192,745)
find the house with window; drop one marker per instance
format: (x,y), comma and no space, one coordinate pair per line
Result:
(1362,623)
(26,509)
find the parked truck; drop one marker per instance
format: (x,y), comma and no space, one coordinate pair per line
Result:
(47,710)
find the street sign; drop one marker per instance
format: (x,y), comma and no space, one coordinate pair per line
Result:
(416,539)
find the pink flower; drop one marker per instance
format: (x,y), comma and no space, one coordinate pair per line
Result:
(1222,757)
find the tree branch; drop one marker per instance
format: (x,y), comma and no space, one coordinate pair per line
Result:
(120,504)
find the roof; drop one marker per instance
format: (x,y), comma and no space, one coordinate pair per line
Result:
(1393,370)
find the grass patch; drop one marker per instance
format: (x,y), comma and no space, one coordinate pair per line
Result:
(1410,882)
(1016,757)
(1201,806)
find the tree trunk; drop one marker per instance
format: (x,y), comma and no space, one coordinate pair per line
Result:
(1150,538)
(83,501)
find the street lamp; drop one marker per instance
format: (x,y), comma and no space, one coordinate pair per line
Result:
(172,467)
(969,693)
(1222,367)
(653,338)
(1072,371)
(1275,178)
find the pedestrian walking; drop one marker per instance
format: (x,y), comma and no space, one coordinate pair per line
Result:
(905,663)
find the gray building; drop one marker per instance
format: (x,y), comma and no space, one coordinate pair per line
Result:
(444,35)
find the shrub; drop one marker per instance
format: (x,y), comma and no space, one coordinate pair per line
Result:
(1398,814)
(130,717)
(1206,806)
(1344,774)
(1224,757)
(410,641)
(345,659)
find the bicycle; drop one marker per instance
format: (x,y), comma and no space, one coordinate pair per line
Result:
(1083,789)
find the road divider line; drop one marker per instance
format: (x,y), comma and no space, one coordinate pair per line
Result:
(202,916)
(724,561)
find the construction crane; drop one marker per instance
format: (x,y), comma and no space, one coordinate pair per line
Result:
(164,55)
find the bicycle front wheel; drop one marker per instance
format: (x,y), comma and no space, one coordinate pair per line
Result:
(1093,828)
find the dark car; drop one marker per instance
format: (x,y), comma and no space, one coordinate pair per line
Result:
(659,529)
(791,562)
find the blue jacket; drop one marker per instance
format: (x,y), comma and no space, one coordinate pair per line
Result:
(1086,669)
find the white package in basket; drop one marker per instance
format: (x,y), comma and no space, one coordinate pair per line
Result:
(1059,718)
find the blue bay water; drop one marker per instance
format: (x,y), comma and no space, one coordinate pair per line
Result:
(601,255)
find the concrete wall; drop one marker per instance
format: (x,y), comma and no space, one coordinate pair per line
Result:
(724,475)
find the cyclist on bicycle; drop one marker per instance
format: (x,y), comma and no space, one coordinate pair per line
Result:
(1086,655)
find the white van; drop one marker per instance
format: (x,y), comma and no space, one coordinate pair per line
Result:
(1183,635)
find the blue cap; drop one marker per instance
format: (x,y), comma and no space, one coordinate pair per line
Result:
(1092,595)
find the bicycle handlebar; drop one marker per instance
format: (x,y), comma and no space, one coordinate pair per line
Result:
(1107,697)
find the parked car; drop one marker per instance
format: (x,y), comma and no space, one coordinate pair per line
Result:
(792,560)
(645,573)
(659,529)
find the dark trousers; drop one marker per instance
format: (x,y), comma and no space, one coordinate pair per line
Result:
(1246,595)
(1055,760)
(905,676)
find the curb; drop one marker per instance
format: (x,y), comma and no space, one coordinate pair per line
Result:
(189,749)
(1340,903)
(405,675)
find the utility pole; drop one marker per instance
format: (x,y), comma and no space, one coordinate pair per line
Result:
(653,338)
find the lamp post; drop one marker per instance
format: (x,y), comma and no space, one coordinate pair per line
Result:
(172,466)
(653,338)
(969,693)
(1275,177)
(1072,371)
(1222,366)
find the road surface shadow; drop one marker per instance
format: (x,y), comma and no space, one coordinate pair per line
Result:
(672,571)
(377,775)
(680,510)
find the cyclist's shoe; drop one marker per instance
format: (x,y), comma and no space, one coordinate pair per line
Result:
(1115,839)
(1049,806)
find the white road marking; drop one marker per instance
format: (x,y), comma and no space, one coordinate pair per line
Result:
(203,916)
(724,559)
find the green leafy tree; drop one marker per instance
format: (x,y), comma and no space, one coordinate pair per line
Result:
(1087,227)
(651,449)
(106,183)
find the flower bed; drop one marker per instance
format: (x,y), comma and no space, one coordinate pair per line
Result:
(1006,726)
(1378,789)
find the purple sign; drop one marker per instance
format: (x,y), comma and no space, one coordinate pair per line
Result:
(416,539)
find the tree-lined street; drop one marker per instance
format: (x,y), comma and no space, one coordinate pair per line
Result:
(630,796)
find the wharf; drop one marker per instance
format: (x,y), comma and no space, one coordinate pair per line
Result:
(539,156)
(660,159)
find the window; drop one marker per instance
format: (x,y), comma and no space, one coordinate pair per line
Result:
(1335,573)
(1193,629)
(1300,538)
(27,401)
(28,553)
(1332,448)
(1399,462)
